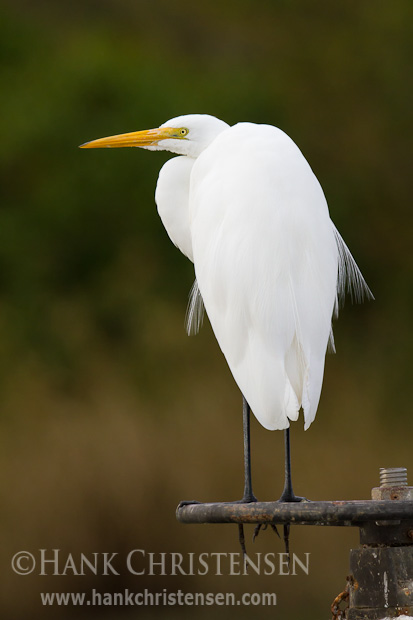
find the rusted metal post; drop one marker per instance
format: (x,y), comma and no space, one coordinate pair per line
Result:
(381,581)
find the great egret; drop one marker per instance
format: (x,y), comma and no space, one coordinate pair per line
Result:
(243,204)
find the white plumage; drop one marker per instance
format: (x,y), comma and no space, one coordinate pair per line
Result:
(243,204)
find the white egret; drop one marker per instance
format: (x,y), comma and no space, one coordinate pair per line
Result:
(243,204)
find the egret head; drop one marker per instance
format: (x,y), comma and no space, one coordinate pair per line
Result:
(185,135)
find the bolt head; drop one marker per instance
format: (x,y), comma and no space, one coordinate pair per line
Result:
(392,493)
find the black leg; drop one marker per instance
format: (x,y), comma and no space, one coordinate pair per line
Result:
(248,494)
(288,494)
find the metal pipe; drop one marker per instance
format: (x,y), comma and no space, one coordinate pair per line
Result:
(350,513)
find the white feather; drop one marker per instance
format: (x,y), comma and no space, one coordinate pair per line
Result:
(350,279)
(266,262)
(171,195)
(195,311)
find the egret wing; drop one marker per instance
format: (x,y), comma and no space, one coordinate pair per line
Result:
(266,262)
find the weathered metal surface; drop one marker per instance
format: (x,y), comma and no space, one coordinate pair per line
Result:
(390,533)
(333,513)
(375,613)
(393,476)
(392,493)
(381,582)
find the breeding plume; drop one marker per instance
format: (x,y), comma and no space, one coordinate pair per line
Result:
(244,206)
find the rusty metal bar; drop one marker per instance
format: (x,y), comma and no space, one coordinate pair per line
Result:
(333,513)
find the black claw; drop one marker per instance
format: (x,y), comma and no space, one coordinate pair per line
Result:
(263,526)
(287,542)
(287,497)
(257,529)
(241,539)
(247,499)
(187,503)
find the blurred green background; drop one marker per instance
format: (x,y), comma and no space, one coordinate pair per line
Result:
(109,414)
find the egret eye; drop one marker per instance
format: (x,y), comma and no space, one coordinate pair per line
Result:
(183,132)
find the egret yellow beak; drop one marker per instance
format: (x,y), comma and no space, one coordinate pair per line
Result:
(148,137)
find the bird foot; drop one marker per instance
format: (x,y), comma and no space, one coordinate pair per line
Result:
(289,496)
(247,499)
(286,535)
(263,526)
(188,503)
